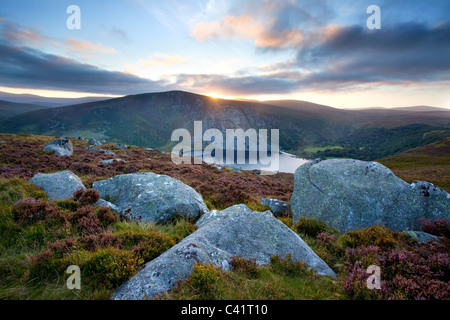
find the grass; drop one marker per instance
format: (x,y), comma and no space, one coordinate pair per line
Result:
(281,279)
(34,257)
(428,163)
(35,253)
(316,149)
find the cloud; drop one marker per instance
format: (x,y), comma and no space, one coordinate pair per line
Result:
(119,34)
(15,33)
(87,47)
(246,27)
(404,52)
(160,60)
(24,67)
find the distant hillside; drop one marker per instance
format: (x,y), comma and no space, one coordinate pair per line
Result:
(430,163)
(46,101)
(9,109)
(150,119)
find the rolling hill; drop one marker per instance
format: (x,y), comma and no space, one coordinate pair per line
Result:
(9,109)
(149,120)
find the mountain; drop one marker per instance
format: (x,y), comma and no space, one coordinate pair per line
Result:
(9,109)
(149,120)
(46,101)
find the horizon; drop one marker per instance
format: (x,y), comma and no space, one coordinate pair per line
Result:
(314,51)
(78,96)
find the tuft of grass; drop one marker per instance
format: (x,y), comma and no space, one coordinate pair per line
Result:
(281,279)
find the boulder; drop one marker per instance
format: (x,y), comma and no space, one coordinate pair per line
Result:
(151,197)
(110,161)
(61,147)
(121,146)
(104,203)
(278,207)
(422,237)
(351,194)
(94,148)
(94,142)
(236,231)
(58,186)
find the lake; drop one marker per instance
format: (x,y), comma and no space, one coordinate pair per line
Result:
(288,163)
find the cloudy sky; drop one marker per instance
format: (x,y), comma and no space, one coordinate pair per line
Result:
(314,50)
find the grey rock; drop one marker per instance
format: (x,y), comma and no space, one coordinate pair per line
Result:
(81,139)
(278,207)
(151,197)
(104,203)
(61,147)
(94,142)
(422,237)
(121,146)
(94,148)
(111,161)
(351,194)
(58,186)
(242,232)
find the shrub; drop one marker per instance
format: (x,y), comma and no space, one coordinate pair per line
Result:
(285,266)
(90,224)
(61,246)
(106,216)
(203,279)
(93,242)
(247,267)
(86,197)
(438,227)
(414,272)
(378,236)
(70,205)
(110,267)
(312,227)
(30,210)
(147,245)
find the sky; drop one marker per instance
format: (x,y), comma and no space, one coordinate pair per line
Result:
(320,51)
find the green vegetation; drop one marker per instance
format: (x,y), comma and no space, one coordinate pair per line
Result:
(317,149)
(428,163)
(40,239)
(281,279)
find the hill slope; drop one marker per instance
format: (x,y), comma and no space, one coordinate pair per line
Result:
(429,163)
(9,109)
(150,119)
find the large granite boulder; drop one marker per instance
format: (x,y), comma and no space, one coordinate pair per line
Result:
(352,194)
(151,197)
(58,186)
(61,147)
(278,207)
(234,231)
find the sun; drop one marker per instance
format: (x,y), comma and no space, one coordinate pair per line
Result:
(213,95)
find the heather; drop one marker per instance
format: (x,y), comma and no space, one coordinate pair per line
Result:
(22,157)
(39,238)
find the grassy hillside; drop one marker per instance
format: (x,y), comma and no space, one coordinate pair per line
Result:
(429,163)
(149,120)
(39,239)
(9,109)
